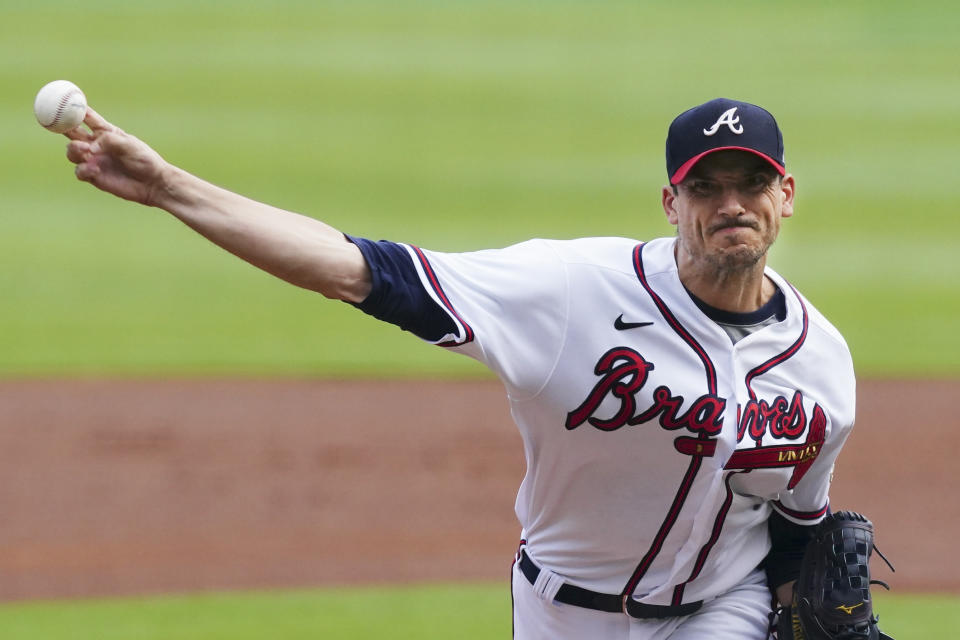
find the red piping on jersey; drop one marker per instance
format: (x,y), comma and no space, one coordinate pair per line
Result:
(802,515)
(665,528)
(786,355)
(674,323)
(435,283)
(714,536)
(763,456)
(695,460)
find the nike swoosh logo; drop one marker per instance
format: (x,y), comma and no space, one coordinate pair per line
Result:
(620,325)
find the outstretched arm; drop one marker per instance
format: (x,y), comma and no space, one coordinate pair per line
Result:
(296,248)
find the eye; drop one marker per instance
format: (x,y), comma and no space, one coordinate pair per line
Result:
(702,187)
(756,182)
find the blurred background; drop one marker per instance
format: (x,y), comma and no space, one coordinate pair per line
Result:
(455,126)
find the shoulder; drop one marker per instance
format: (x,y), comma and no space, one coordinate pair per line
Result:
(591,246)
(611,253)
(541,253)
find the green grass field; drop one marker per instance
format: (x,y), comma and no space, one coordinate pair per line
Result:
(436,612)
(415,613)
(453,125)
(460,125)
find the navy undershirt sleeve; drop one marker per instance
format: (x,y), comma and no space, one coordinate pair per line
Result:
(788,542)
(398,295)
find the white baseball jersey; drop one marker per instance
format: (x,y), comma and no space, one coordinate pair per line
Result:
(655,446)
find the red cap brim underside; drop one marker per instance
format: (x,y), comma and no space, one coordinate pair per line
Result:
(681,173)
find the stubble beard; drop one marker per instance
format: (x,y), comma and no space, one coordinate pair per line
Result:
(736,259)
(729,261)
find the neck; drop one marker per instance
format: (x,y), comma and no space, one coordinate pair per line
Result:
(740,289)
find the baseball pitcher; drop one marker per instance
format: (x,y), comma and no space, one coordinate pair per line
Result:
(681,404)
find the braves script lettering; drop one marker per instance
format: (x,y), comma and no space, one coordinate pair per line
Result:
(623,372)
(781,420)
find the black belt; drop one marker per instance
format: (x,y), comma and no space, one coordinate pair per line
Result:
(580,597)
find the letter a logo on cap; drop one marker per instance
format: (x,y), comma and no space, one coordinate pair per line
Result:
(728,119)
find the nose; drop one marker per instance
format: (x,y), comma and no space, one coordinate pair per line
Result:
(731,204)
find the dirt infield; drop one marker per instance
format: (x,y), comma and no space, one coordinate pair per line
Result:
(143,487)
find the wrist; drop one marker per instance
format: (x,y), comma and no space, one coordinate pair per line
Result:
(168,189)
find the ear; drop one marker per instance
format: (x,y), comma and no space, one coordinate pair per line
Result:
(788,189)
(669,201)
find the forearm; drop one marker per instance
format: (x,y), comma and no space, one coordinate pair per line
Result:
(788,544)
(296,248)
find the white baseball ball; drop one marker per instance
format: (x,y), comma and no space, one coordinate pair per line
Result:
(60,106)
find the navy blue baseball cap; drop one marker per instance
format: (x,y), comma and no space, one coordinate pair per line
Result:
(718,125)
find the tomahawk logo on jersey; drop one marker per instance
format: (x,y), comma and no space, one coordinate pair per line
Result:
(642,405)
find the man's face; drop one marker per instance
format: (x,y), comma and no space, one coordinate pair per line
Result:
(728,210)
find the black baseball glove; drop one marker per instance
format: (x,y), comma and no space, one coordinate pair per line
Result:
(831,599)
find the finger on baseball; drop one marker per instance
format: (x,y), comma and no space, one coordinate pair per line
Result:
(96,122)
(112,141)
(78,133)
